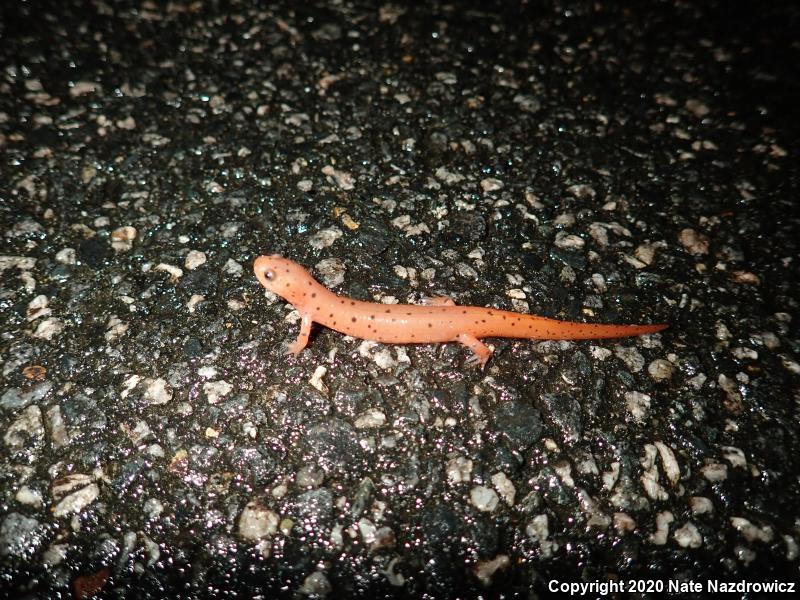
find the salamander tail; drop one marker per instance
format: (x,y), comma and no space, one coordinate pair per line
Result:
(584,331)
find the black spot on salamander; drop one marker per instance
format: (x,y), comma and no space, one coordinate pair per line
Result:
(388,310)
(490,313)
(483,320)
(330,315)
(353,319)
(313,294)
(504,317)
(408,313)
(430,324)
(318,308)
(342,301)
(288,284)
(372,317)
(352,302)
(463,312)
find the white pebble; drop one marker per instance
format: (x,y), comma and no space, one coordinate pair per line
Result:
(48,328)
(214,390)
(66,256)
(175,272)
(370,419)
(232,268)
(256,522)
(491,184)
(688,536)
(325,238)
(695,243)
(663,520)
(660,369)
(331,271)
(504,487)
(700,505)
(29,496)
(38,308)
(670,463)
(194,259)
(483,498)
(77,501)
(122,238)
(715,472)
(342,179)
(316,380)
(638,404)
(568,241)
(458,469)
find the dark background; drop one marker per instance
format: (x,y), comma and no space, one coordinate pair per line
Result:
(611,162)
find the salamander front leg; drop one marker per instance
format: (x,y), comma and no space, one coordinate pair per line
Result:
(437,301)
(301,342)
(480,351)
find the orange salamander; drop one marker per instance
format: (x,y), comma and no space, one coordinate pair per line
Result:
(438,320)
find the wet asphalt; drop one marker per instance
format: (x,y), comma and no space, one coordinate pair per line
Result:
(608,163)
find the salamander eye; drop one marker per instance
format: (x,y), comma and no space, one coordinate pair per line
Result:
(269,274)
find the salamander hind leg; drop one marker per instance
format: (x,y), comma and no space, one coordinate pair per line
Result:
(301,342)
(480,351)
(437,301)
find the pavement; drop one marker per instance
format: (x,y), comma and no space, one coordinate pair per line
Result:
(628,162)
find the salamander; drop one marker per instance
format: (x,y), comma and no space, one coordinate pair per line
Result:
(437,320)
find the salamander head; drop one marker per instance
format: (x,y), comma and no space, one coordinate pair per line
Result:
(282,276)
